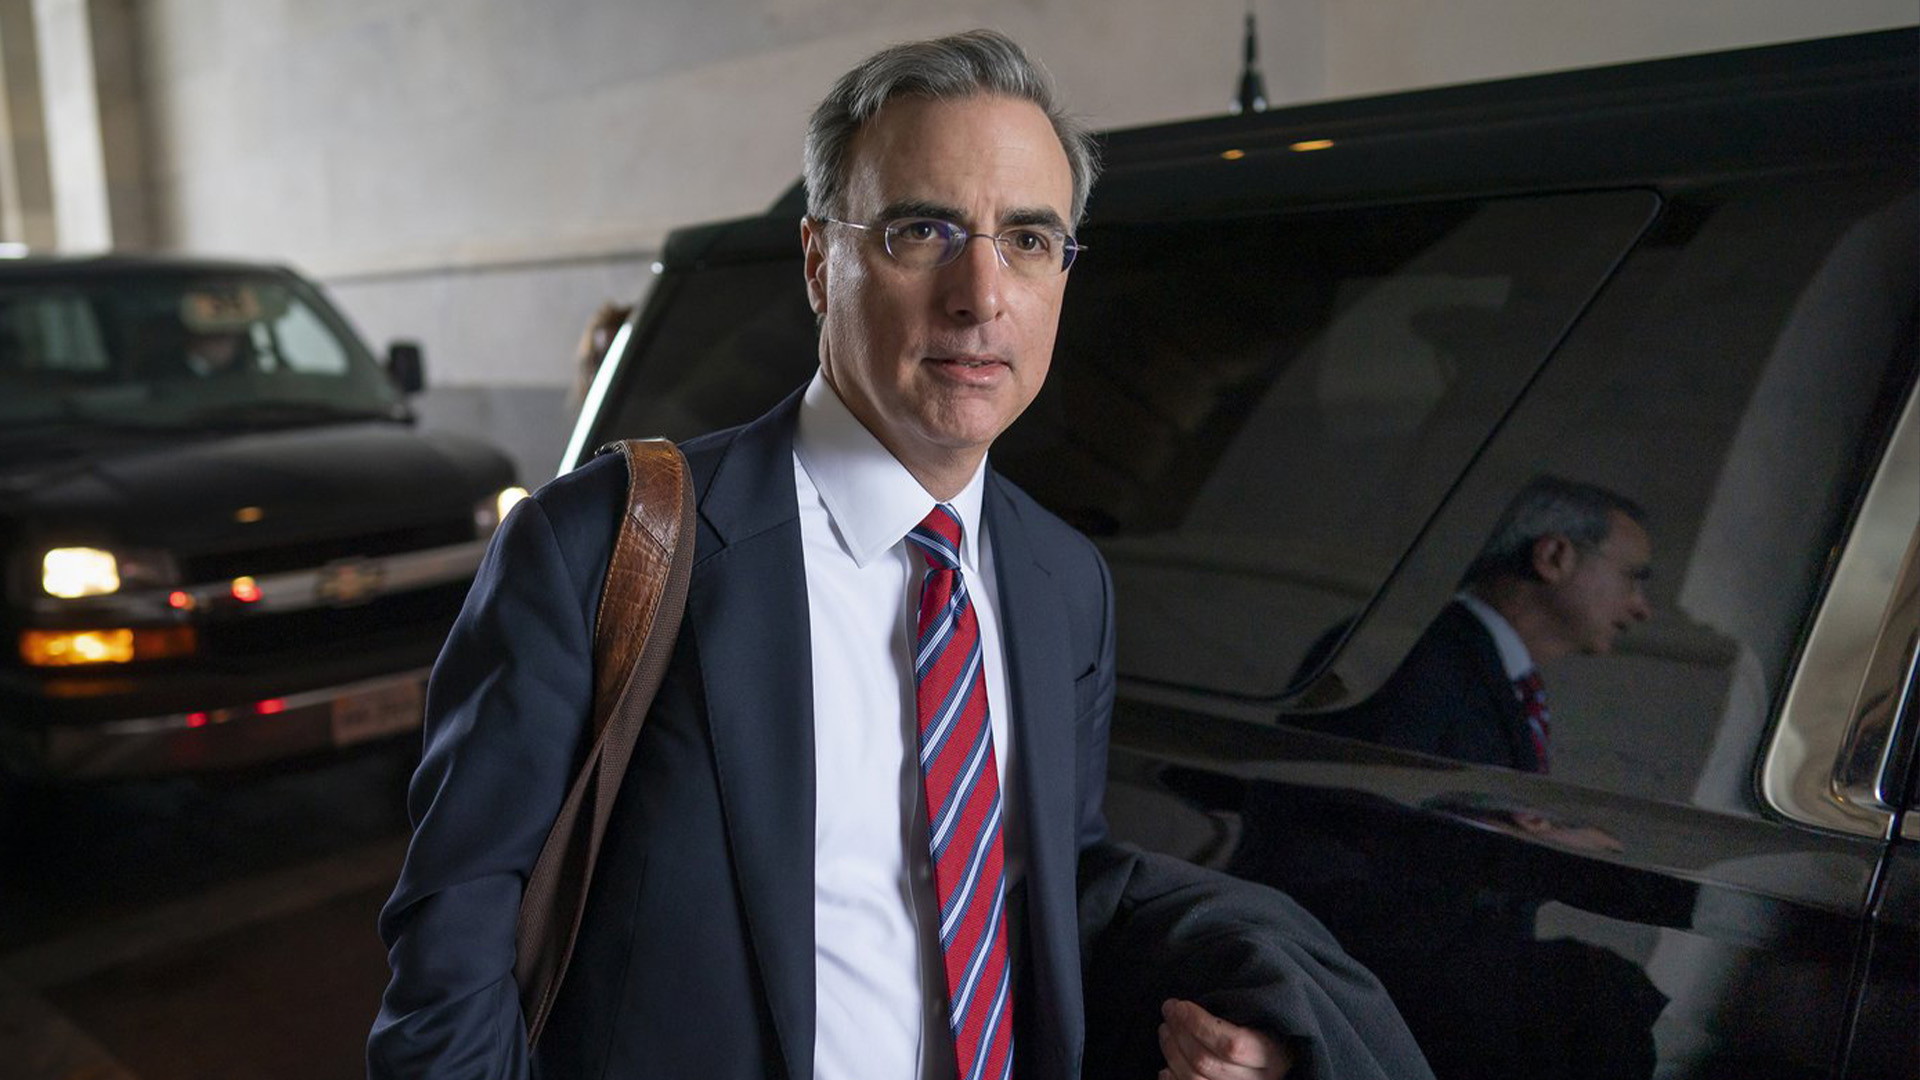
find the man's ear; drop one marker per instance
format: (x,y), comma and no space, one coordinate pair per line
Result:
(813,246)
(1554,557)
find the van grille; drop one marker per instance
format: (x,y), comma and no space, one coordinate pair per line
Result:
(306,554)
(413,615)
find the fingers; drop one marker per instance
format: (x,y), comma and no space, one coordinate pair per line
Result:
(1200,1046)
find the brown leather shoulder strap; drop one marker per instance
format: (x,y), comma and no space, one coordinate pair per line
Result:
(641,601)
(659,511)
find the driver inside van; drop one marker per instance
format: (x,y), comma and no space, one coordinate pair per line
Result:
(214,353)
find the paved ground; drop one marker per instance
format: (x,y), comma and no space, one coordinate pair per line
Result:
(176,930)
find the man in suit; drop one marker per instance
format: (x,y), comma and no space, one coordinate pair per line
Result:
(1564,572)
(778,892)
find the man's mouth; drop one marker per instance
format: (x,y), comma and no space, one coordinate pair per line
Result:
(971,369)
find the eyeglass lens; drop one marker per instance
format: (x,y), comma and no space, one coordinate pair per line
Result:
(925,243)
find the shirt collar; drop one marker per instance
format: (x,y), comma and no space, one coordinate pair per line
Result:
(1514,656)
(872,499)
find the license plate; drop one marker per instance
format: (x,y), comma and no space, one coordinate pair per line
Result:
(373,713)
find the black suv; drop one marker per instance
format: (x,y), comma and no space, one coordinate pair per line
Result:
(225,543)
(1308,359)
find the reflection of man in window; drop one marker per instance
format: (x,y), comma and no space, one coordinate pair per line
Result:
(1563,573)
(1419,899)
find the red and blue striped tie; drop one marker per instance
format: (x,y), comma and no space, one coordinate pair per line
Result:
(1533,699)
(962,784)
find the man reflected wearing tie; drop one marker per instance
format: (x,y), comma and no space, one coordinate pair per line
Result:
(1563,573)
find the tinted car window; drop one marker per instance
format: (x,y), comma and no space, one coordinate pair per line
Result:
(727,343)
(175,350)
(1255,415)
(1736,380)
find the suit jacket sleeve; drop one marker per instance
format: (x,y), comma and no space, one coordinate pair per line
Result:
(507,711)
(1154,927)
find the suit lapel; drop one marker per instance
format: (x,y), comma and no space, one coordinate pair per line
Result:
(748,612)
(1497,688)
(1035,640)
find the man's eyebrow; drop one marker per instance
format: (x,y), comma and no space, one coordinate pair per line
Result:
(919,208)
(913,208)
(1033,216)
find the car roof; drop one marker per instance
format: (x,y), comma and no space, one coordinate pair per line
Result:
(1701,80)
(35,266)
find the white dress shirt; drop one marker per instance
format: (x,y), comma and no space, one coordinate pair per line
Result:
(879,986)
(1514,656)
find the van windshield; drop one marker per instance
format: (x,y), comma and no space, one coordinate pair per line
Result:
(166,350)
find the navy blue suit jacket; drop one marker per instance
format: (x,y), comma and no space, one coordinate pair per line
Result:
(1451,696)
(695,956)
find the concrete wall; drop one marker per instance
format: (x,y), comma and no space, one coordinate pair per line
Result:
(479,174)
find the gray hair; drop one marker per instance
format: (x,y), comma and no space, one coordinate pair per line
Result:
(960,66)
(1549,506)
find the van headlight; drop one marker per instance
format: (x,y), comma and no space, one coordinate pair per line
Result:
(73,572)
(488,513)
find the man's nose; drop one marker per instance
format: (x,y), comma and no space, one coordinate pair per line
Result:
(972,282)
(1640,607)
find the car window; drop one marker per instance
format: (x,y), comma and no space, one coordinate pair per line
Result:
(59,334)
(1254,416)
(1736,380)
(727,344)
(170,349)
(302,342)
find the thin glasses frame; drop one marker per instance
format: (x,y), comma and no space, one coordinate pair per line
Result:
(955,238)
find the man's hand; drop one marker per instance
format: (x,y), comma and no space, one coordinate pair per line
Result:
(1201,1046)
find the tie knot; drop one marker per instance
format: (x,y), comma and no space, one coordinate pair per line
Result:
(938,537)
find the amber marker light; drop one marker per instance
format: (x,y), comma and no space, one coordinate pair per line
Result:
(246,590)
(1232,155)
(105,645)
(247,515)
(70,648)
(1307,145)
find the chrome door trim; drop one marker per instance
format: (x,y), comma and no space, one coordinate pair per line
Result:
(1827,760)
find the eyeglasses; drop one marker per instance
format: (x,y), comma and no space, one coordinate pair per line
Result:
(1639,574)
(923,243)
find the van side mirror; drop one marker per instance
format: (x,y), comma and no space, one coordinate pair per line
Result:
(405,366)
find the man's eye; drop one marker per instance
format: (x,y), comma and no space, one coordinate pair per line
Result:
(919,231)
(1029,241)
